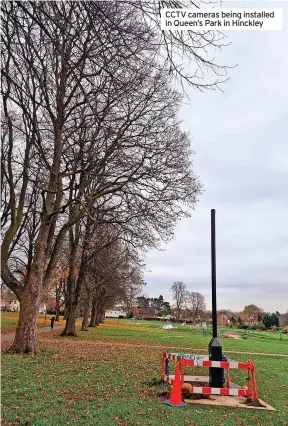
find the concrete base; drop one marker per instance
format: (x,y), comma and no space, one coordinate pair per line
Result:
(228,401)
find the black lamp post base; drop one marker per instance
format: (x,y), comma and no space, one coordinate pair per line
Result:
(216,375)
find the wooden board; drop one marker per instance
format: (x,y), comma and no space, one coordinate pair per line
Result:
(228,401)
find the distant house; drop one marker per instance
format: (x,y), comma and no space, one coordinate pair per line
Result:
(51,304)
(224,317)
(115,314)
(9,301)
(168,317)
(165,317)
(147,313)
(11,305)
(42,308)
(247,318)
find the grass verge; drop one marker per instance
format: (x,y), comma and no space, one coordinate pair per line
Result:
(85,381)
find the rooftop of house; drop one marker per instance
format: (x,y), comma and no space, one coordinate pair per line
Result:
(148,311)
(223,312)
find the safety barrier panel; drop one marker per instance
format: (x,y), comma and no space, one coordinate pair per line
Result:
(185,360)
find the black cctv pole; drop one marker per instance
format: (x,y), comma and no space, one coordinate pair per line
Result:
(213,272)
(216,375)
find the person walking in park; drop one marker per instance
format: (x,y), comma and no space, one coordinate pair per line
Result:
(204,329)
(52,322)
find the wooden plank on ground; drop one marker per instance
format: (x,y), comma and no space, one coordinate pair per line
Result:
(228,401)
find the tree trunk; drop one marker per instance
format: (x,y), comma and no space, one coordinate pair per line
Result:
(25,341)
(70,326)
(86,313)
(98,317)
(93,318)
(31,296)
(57,309)
(57,296)
(101,316)
(72,299)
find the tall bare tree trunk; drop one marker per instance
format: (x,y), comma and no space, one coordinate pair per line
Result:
(98,317)
(71,305)
(25,341)
(101,316)
(57,311)
(93,318)
(86,312)
(71,308)
(57,296)
(72,299)
(70,326)
(25,337)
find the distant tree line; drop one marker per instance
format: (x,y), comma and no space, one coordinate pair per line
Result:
(163,308)
(258,316)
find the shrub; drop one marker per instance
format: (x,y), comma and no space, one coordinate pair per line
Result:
(257,327)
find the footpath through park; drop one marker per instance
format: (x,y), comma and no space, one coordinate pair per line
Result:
(9,337)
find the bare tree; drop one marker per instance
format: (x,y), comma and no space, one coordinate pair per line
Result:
(284,318)
(144,176)
(112,275)
(253,310)
(57,287)
(179,292)
(195,304)
(193,46)
(132,292)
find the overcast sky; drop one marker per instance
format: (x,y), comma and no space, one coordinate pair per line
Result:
(240,138)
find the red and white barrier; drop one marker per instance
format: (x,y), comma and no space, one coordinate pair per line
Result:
(217,364)
(174,356)
(203,361)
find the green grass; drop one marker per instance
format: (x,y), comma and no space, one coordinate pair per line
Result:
(8,323)
(183,336)
(85,381)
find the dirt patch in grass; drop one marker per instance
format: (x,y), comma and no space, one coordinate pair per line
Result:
(232,336)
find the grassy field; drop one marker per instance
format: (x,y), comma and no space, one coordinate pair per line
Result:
(184,336)
(108,375)
(9,321)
